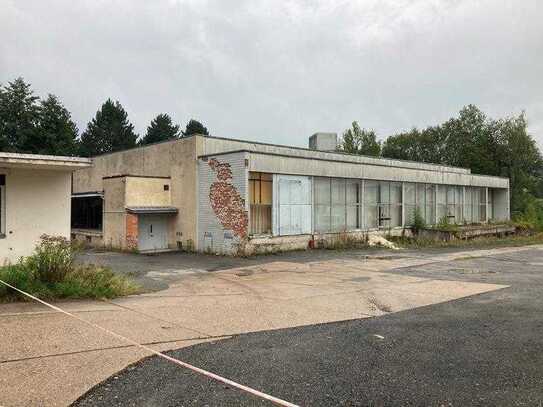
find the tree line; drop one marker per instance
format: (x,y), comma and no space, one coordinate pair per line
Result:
(29,124)
(500,147)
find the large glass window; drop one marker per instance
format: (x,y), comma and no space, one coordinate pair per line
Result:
(353,197)
(322,204)
(441,202)
(338,205)
(430,203)
(409,202)
(87,212)
(260,203)
(371,200)
(395,204)
(468,213)
(482,204)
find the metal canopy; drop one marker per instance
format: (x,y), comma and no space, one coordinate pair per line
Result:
(152,209)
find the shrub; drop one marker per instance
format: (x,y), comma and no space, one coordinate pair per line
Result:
(532,216)
(52,259)
(418,222)
(50,273)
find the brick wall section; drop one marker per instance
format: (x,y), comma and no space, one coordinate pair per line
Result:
(131,231)
(223,203)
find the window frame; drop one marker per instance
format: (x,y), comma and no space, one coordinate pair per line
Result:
(256,204)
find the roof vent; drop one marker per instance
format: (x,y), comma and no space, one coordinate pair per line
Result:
(323,142)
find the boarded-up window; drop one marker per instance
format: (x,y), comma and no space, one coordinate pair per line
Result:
(260,203)
(294,205)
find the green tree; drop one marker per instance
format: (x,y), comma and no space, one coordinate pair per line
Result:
(55,133)
(108,131)
(469,141)
(18,115)
(360,141)
(160,129)
(518,158)
(194,127)
(416,145)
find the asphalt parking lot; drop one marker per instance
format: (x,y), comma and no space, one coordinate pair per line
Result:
(483,349)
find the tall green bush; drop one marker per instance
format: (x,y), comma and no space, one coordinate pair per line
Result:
(52,259)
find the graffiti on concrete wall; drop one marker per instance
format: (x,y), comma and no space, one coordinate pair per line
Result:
(226,202)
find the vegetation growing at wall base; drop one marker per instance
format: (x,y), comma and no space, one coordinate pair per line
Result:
(50,273)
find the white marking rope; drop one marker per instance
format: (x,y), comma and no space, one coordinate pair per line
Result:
(224,380)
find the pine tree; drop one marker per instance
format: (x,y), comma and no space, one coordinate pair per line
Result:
(55,133)
(160,129)
(18,115)
(195,127)
(109,131)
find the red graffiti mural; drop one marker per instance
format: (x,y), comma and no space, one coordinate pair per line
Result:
(226,201)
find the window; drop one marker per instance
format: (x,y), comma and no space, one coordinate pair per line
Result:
(353,197)
(260,203)
(2,205)
(395,204)
(409,202)
(482,204)
(87,212)
(338,205)
(468,213)
(490,200)
(371,199)
(441,202)
(430,204)
(459,198)
(322,204)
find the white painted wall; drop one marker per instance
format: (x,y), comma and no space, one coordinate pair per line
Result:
(37,202)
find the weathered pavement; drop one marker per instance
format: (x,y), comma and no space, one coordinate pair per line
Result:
(49,359)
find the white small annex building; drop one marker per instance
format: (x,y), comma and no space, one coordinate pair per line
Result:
(35,193)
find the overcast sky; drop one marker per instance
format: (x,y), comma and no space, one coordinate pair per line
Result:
(278,71)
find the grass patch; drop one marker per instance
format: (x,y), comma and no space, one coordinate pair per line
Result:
(49,273)
(490,241)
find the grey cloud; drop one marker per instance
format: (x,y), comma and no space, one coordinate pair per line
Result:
(279,71)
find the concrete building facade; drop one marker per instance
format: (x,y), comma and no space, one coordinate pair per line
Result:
(239,197)
(34,200)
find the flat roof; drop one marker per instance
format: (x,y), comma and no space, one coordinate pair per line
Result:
(37,161)
(333,155)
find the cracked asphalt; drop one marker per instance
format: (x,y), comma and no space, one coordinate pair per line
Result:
(486,349)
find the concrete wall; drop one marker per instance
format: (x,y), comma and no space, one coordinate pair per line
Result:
(292,165)
(37,202)
(223,206)
(147,191)
(114,228)
(175,159)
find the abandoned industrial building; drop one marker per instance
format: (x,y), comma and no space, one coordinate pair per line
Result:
(231,196)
